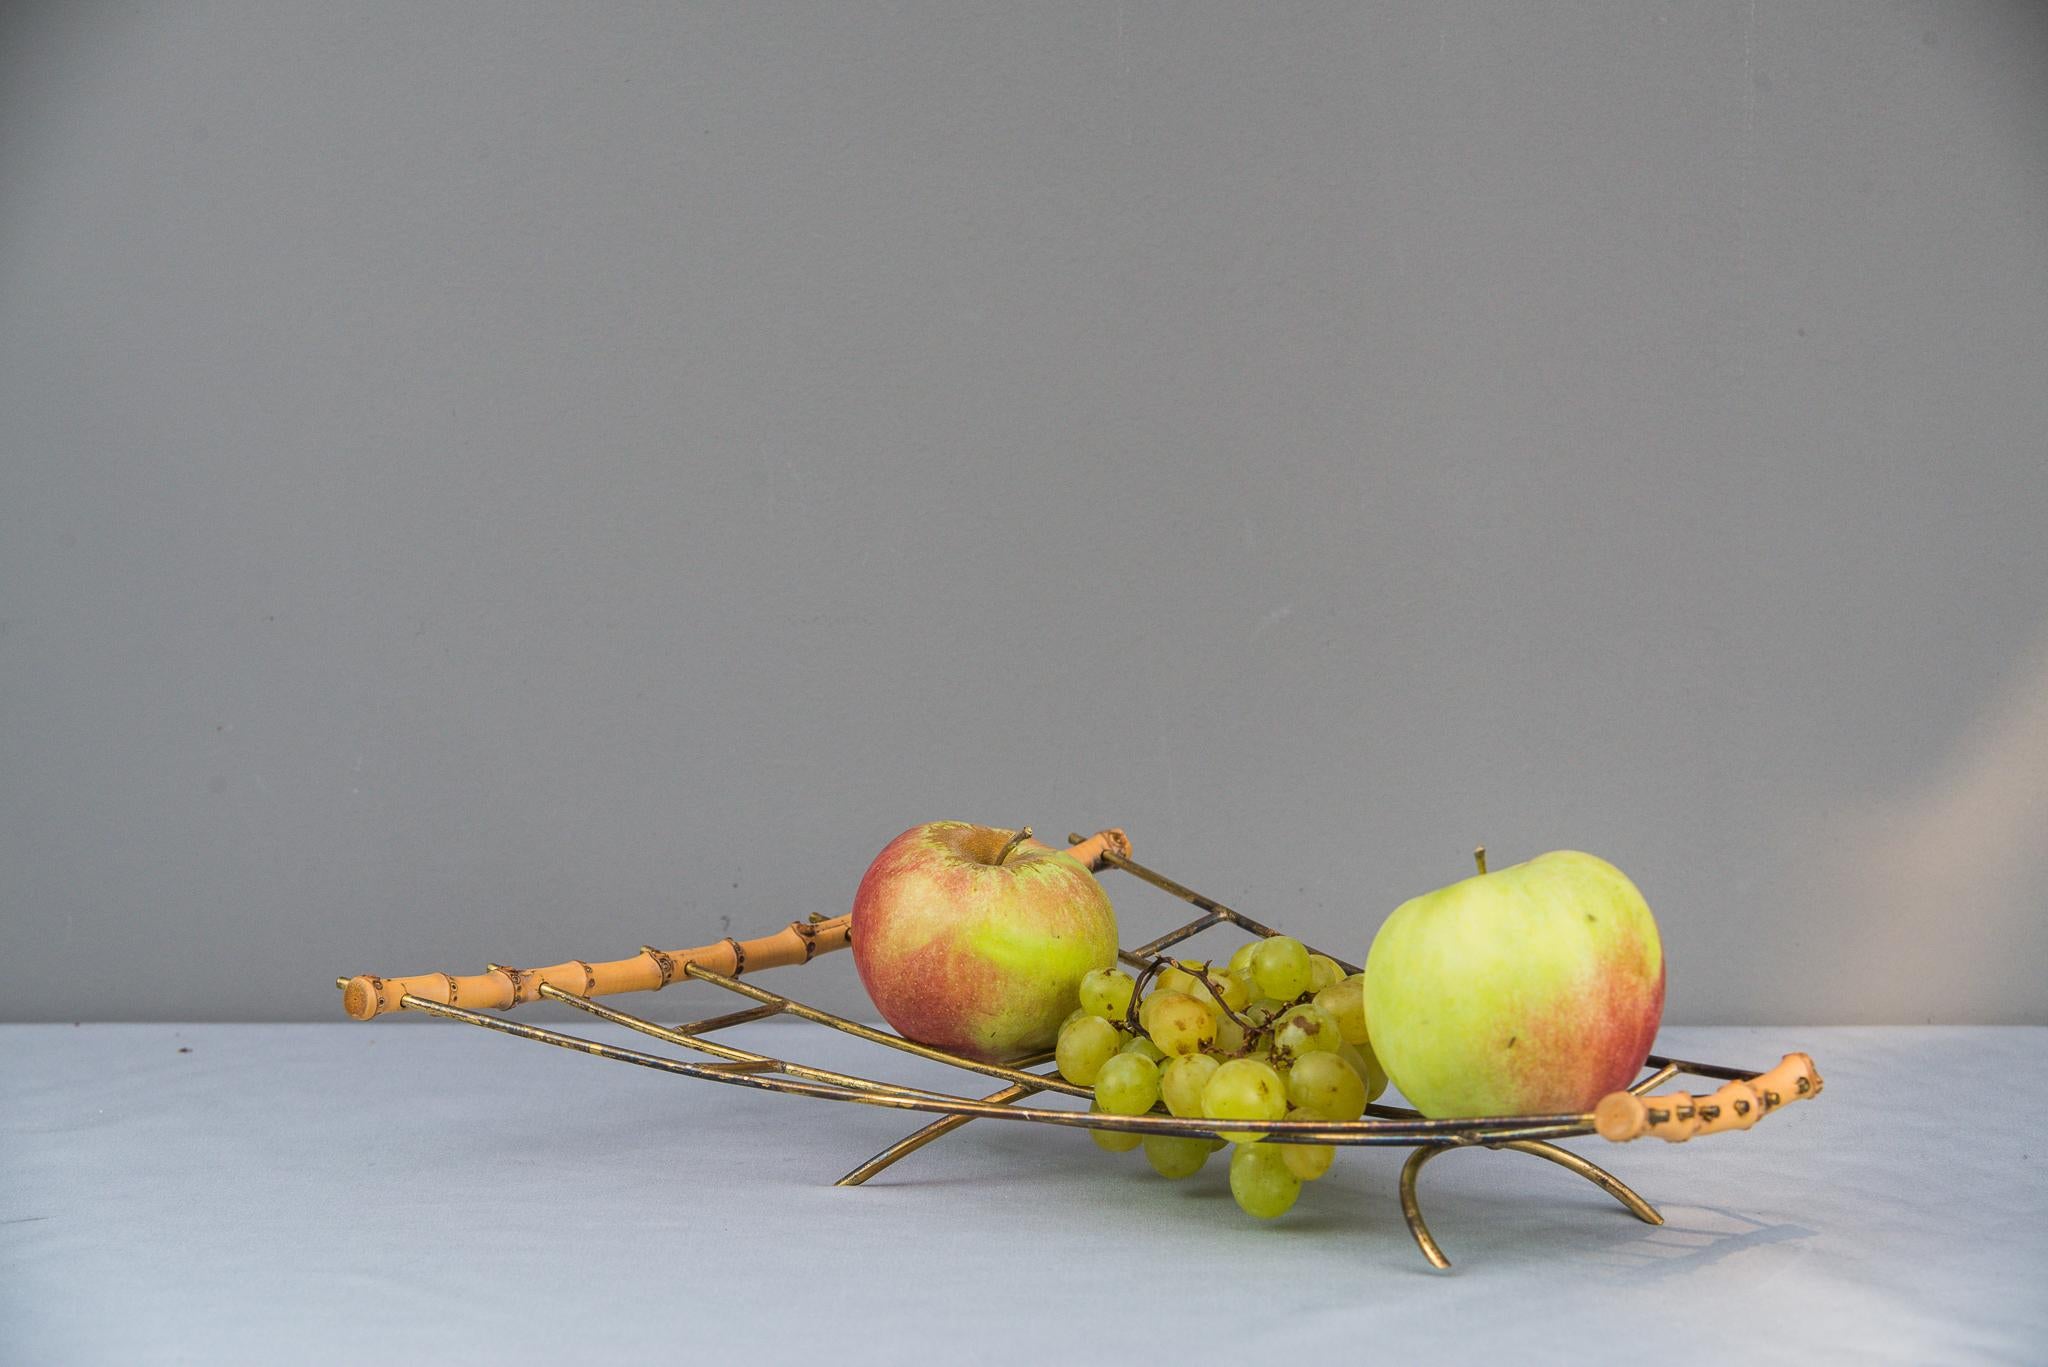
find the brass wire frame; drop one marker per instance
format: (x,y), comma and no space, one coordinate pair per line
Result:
(1383,1126)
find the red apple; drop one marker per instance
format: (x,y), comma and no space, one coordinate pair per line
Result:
(974,941)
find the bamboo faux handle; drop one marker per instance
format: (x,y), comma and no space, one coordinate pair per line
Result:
(1678,1116)
(367,996)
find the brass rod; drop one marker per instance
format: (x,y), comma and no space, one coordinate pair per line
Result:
(1654,1080)
(1706,1069)
(741,1057)
(1522,1127)
(730,1018)
(883,1037)
(1188,894)
(1143,953)
(938,1129)
(1352,1132)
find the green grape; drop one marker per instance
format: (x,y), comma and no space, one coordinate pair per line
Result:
(1116,1141)
(1229,1036)
(1280,968)
(1241,961)
(1106,992)
(1180,1024)
(1175,1157)
(1083,1048)
(1127,1084)
(1367,1065)
(1323,971)
(1261,1181)
(1345,1001)
(1146,1007)
(1072,1016)
(1244,1089)
(1306,1029)
(1326,1086)
(1177,977)
(1180,1085)
(1306,1161)
(1142,1044)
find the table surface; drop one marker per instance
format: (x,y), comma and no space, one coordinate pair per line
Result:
(415,1188)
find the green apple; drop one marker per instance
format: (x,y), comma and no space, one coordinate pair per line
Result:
(1532,990)
(975,939)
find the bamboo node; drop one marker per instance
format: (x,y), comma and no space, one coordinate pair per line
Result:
(515,976)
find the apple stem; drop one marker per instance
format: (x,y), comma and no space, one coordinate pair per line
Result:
(1479,858)
(1023,834)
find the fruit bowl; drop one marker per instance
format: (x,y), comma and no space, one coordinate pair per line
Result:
(1744,1097)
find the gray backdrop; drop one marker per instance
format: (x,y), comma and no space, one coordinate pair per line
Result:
(512,482)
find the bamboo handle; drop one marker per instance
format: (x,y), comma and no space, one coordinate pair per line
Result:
(1678,1116)
(367,996)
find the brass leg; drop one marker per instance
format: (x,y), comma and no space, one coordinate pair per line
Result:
(1412,1210)
(911,1143)
(1593,1173)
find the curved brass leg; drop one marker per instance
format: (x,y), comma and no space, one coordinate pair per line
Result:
(911,1143)
(1592,1172)
(1411,1208)
(1412,1211)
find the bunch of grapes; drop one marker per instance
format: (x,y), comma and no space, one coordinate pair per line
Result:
(1279,1033)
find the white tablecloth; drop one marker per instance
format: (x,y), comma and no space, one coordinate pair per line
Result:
(418,1190)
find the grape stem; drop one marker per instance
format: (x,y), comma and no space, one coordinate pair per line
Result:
(1145,975)
(1252,1033)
